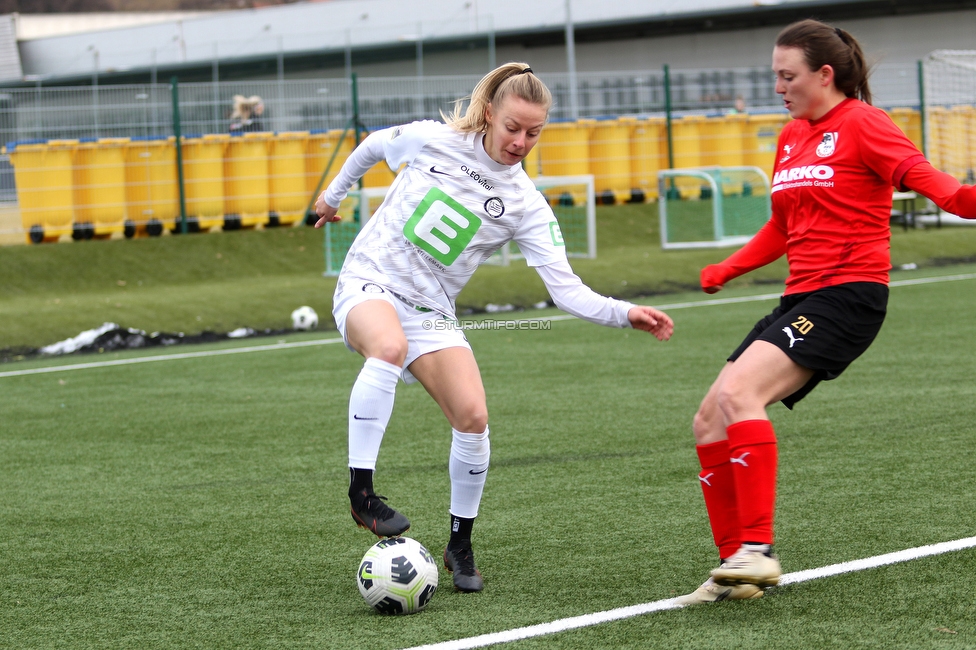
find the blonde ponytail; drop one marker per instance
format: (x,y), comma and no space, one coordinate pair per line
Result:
(516,79)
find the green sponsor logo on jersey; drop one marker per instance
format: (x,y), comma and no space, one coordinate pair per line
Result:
(441,227)
(557,234)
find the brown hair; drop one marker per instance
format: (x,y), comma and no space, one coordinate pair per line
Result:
(823,45)
(514,79)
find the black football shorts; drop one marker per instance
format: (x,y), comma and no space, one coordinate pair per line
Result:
(823,330)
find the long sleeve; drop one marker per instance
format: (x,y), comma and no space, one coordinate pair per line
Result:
(572,296)
(767,246)
(944,190)
(369,152)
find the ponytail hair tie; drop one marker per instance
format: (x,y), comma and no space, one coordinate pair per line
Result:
(524,71)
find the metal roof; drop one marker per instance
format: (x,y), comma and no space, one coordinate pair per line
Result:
(32,26)
(340,24)
(326,26)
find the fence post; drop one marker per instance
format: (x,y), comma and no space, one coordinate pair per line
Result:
(667,113)
(174,85)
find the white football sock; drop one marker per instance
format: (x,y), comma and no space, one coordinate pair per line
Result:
(370,407)
(468,468)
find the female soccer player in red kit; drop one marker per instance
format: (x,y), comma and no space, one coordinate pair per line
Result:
(837,162)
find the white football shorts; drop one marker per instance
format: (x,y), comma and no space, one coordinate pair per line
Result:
(426,331)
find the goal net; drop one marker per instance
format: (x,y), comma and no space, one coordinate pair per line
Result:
(949,99)
(572,198)
(709,207)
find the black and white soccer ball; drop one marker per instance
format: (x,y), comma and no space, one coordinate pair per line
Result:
(304,318)
(397,576)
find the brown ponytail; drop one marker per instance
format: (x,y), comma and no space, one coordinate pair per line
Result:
(514,79)
(823,45)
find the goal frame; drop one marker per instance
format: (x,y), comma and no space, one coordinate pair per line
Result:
(707,174)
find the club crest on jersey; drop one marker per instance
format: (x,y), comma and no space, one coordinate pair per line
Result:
(828,144)
(495,207)
(370,287)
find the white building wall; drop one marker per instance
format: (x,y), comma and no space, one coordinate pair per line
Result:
(332,25)
(889,40)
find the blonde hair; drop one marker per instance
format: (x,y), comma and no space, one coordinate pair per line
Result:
(245,107)
(515,79)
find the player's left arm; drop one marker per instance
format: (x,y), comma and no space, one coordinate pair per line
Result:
(889,152)
(572,296)
(944,190)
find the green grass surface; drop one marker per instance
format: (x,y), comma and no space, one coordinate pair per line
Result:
(200,502)
(222,281)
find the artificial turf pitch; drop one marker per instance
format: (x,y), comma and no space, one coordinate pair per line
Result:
(201,501)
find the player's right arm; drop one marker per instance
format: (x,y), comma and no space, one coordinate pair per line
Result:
(396,145)
(768,245)
(361,160)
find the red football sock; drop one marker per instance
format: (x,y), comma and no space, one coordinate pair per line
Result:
(718,486)
(752,444)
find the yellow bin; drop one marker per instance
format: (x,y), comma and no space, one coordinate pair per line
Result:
(961,125)
(151,184)
(722,141)
(321,148)
(610,160)
(969,123)
(203,180)
(648,153)
(564,149)
(45,187)
(99,181)
(246,185)
(286,170)
(940,138)
(910,122)
(759,141)
(686,138)
(532,164)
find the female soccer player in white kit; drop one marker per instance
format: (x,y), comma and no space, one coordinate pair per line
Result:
(461,196)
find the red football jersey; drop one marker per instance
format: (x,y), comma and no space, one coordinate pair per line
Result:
(831,194)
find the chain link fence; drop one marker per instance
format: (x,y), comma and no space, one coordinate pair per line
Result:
(97,136)
(302,105)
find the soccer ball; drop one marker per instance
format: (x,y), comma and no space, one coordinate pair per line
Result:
(304,318)
(397,576)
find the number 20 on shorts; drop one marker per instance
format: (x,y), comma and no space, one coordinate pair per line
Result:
(802,325)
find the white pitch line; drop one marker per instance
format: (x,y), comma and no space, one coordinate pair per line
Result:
(302,344)
(941,278)
(169,357)
(589,620)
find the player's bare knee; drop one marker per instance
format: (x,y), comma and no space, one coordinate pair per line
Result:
(732,401)
(391,350)
(708,425)
(470,420)
(702,425)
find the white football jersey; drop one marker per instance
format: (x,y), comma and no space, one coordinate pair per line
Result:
(448,210)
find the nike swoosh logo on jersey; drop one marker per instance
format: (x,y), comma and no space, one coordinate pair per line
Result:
(434,171)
